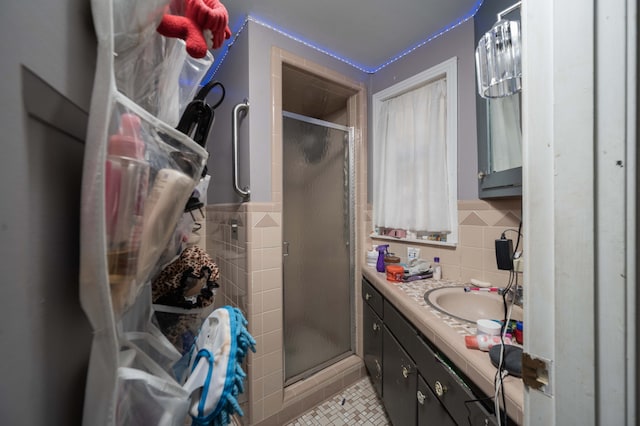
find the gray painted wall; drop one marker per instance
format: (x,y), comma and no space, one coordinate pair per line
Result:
(458,42)
(233,74)
(256,65)
(45,337)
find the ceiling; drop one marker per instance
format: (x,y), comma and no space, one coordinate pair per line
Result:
(366,33)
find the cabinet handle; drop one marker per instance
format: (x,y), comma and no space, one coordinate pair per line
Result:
(440,388)
(406,371)
(420,397)
(378,370)
(376,326)
(367,296)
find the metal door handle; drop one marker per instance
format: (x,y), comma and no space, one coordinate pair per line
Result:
(378,370)
(376,326)
(440,388)
(406,371)
(285,248)
(420,397)
(242,106)
(367,296)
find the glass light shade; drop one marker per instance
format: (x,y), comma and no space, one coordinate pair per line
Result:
(498,64)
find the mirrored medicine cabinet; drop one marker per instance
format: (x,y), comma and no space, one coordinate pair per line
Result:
(499,129)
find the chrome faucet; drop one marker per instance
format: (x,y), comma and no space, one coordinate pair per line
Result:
(514,294)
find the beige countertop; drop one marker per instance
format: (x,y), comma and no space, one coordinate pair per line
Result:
(447,334)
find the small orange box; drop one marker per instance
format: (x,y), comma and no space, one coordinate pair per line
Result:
(395,273)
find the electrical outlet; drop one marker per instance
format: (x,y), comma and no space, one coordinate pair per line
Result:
(518,265)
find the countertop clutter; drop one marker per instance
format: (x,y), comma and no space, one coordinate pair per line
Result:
(447,334)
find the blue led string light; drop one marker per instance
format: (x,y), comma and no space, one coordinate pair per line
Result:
(225,51)
(464,18)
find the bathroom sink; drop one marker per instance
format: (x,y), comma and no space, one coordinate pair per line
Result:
(471,306)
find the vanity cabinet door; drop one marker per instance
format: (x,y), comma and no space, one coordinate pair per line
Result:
(400,382)
(430,411)
(451,390)
(372,297)
(372,339)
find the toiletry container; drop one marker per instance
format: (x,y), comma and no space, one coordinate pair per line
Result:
(437,268)
(372,257)
(127,180)
(395,273)
(518,332)
(485,326)
(382,249)
(484,342)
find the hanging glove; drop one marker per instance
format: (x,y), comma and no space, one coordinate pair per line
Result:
(184,28)
(204,26)
(210,15)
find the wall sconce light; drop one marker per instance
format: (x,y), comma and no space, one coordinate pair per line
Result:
(498,61)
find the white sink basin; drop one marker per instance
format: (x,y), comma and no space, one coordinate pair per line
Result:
(471,306)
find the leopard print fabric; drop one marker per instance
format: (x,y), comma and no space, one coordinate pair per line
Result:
(188,283)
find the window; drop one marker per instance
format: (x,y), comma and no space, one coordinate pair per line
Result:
(415,161)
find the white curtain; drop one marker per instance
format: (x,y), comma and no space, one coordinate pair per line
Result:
(505,135)
(411,176)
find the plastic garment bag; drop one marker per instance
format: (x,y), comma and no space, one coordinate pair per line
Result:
(139,172)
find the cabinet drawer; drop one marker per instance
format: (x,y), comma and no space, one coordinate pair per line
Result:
(402,329)
(450,388)
(372,297)
(399,384)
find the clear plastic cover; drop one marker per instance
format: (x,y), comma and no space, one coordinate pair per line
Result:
(498,62)
(138,174)
(158,75)
(147,188)
(144,399)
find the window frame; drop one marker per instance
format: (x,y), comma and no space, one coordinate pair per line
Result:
(449,70)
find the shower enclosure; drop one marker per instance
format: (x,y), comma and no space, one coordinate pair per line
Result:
(317,213)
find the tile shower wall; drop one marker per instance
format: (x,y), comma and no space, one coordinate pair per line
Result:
(229,250)
(480,223)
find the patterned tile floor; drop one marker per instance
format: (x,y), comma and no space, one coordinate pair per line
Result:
(356,405)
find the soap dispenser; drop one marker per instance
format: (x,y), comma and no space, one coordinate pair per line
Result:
(382,249)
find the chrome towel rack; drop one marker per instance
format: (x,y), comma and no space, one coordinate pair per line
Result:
(245,193)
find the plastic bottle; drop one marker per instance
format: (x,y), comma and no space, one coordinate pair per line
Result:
(165,204)
(372,257)
(127,180)
(484,342)
(437,269)
(382,249)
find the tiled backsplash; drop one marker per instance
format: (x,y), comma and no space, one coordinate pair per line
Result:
(480,223)
(228,252)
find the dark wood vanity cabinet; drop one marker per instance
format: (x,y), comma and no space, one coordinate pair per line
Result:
(418,385)
(400,382)
(372,334)
(454,392)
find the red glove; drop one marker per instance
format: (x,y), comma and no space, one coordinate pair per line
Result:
(187,30)
(210,15)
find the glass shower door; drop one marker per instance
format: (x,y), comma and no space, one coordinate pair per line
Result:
(317,240)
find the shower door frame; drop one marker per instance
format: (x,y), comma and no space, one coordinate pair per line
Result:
(350,242)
